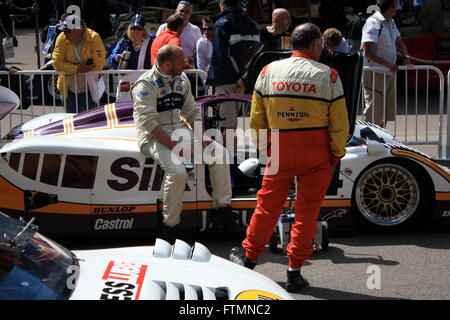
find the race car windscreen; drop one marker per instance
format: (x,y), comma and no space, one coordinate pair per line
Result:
(39,271)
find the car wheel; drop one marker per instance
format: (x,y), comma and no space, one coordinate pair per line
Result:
(390,197)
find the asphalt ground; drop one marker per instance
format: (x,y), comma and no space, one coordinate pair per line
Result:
(356,266)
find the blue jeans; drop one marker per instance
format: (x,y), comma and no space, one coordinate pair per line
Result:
(71,102)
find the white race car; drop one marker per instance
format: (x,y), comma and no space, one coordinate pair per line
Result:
(83,173)
(33,267)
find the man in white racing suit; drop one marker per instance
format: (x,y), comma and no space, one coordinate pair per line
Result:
(162,98)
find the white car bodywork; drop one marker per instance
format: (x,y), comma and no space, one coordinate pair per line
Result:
(165,273)
(34,267)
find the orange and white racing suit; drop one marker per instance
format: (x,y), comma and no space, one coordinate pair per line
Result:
(303,102)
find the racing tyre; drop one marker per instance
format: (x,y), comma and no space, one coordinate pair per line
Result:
(391,197)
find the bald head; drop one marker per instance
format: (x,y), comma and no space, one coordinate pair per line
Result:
(281,20)
(168,53)
(280,13)
(170,59)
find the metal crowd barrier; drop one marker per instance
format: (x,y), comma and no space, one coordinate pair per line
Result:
(418,106)
(412,125)
(38,94)
(447,152)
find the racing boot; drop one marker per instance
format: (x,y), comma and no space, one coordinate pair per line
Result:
(170,234)
(224,219)
(237,255)
(295,281)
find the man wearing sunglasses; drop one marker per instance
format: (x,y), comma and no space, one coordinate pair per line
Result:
(204,46)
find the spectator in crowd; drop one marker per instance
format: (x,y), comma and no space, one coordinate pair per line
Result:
(162,97)
(333,40)
(78,50)
(310,143)
(380,41)
(281,21)
(273,37)
(204,46)
(233,34)
(431,16)
(191,33)
(171,35)
(138,42)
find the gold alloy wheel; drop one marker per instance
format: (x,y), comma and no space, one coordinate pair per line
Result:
(387,194)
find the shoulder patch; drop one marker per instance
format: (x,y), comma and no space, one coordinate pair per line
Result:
(159,82)
(334,75)
(264,71)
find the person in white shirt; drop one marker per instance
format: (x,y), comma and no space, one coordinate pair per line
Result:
(204,46)
(380,42)
(191,33)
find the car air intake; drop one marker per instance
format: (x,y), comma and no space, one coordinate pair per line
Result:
(181,251)
(166,290)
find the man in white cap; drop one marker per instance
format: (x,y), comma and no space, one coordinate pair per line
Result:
(78,50)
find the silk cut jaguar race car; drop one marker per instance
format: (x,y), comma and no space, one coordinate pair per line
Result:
(33,267)
(83,173)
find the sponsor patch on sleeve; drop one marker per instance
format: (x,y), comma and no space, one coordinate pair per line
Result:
(334,75)
(142,94)
(159,82)
(264,71)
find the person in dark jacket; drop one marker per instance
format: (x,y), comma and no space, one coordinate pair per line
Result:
(233,34)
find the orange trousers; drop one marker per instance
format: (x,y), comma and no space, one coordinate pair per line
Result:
(304,155)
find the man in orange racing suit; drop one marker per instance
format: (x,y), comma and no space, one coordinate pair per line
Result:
(303,102)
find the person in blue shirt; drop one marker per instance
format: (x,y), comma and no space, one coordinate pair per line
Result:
(138,42)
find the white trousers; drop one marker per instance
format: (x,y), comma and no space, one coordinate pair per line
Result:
(175,179)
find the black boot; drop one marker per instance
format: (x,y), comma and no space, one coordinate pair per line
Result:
(237,255)
(224,219)
(295,281)
(170,234)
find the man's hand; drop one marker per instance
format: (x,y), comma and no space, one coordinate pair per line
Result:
(392,66)
(82,68)
(407,62)
(240,84)
(118,57)
(12,70)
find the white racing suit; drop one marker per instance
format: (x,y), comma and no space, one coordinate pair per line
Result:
(162,100)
